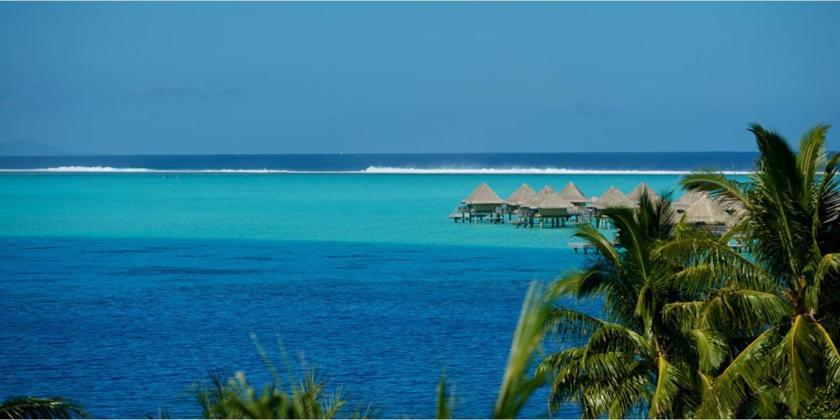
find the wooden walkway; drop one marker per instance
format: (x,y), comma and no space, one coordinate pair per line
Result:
(585,246)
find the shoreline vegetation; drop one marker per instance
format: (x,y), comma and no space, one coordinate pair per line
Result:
(691,327)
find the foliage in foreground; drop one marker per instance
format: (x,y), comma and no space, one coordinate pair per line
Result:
(40,408)
(237,399)
(780,310)
(692,327)
(518,382)
(637,358)
(520,378)
(824,405)
(283,398)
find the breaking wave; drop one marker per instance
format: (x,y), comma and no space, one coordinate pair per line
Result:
(523,171)
(374,170)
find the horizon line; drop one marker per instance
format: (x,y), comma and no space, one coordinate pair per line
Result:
(376,153)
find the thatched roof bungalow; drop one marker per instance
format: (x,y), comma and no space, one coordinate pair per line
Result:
(686,200)
(637,192)
(706,211)
(736,210)
(536,199)
(521,195)
(483,199)
(613,197)
(573,194)
(553,205)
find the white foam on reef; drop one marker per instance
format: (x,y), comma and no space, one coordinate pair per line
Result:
(80,169)
(527,171)
(109,169)
(373,170)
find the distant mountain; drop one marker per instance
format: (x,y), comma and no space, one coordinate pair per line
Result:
(28,148)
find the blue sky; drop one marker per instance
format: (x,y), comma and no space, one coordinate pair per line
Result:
(414,77)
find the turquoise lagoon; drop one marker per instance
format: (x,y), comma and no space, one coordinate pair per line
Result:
(403,209)
(120,290)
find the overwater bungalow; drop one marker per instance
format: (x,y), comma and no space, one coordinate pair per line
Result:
(520,196)
(613,197)
(533,203)
(573,194)
(736,211)
(554,210)
(637,192)
(483,199)
(547,208)
(707,213)
(481,203)
(686,200)
(527,211)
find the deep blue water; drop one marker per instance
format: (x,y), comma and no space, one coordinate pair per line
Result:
(125,326)
(359,162)
(120,290)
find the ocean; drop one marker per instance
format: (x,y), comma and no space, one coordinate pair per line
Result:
(126,279)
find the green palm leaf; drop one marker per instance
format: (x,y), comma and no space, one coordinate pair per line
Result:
(517,384)
(668,381)
(734,386)
(40,408)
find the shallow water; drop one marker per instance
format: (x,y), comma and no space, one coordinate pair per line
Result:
(406,209)
(121,290)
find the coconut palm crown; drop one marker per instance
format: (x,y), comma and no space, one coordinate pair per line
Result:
(780,308)
(633,360)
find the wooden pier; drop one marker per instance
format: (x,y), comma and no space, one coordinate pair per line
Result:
(570,208)
(585,246)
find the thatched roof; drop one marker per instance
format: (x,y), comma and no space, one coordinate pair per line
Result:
(572,193)
(731,206)
(612,198)
(737,212)
(521,195)
(705,210)
(483,194)
(553,201)
(636,194)
(536,199)
(688,199)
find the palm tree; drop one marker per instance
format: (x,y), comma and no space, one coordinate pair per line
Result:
(237,399)
(634,359)
(40,408)
(779,309)
(283,398)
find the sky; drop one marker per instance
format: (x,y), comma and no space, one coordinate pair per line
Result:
(185,78)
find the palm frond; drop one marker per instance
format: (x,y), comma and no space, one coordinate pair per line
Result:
(827,214)
(604,246)
(717,185)
(734,386)
(810,159)
(571,324)
(798,352)
(744,310)
(684,316)
(237,399)
(711,348)
(712,264)
(40,408)
(445,400)
(518,384)
(668,380)
(829,263)
(614,337)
